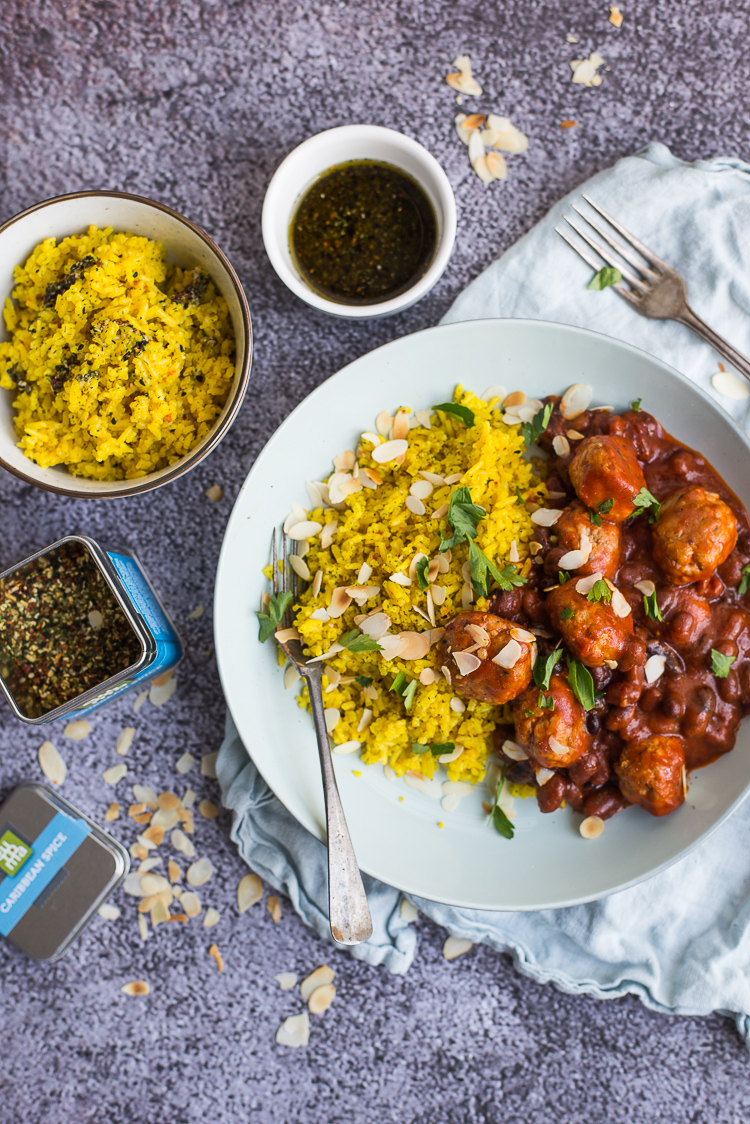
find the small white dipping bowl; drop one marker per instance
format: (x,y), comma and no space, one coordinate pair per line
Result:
(187,246)
(309,160)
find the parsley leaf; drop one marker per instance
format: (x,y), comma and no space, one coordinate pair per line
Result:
(405,688)
(438,749)
(562,577)
(651,606)
(744,585)
(606,276)
(421,569)
(502,823)
(463,516)
(644,500)
(270,621)
(520,498)
(543,668)
(581,683)
(536,427)
(636,405)
(567,613)
(720,664)
(363,680)
(595,517)
(357,641)
(600,591)
(605,506)
(480,565)
(544,702)
(463,413)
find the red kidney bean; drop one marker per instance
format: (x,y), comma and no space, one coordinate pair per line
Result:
(603,803)
(551,794)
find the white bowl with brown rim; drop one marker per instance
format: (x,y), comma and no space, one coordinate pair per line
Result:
(186,246)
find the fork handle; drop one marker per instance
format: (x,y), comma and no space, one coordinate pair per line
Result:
(738,361)
(347,902)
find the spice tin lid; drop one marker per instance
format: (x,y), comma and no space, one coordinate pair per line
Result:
(56,868)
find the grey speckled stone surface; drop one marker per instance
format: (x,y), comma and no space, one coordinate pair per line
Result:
(195,103)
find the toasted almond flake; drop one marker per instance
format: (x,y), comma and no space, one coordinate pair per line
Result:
(149,864)
(400,427)
(561,445)
(591,827)
(168,800)
(584,70)
(478,634)
(585,585)
(543,775)
(414,645)
(467,595)
(77,730)
(428,676)
(296,515)
(575,400)
(344,462)
(185,763)
(432,478)
(347,747)
(332,716)
(340,602)
(165,818)
(383,423)
(273,905)
(458,705)
(208,809)
(51,763)
(216,955)
(496,165)
(728,384)
(174,873)
(558,747)
(408,911)
(400,579)
(515,398)
(572,435)
(332,651)
(611,664)
(413,564)
(475,121)
(545,516)
(142,927)
(286,980)
(321,615)
(144,794)
(153,884)
(446,758)
(646,587)
(422,489)
(365,572)
(161,693)
(300,567)
(446,674)
(284,635)
(208,765)
(294,1031)
(211,918)
(365,720)
(190,902)
(188,799)
(464,84)
(291,676)
(456,946)
(112,813)
(567,123)
(139,701)
(181,843)
(514,751)
(654,668)
(423,418)
(321,999)
(426,785)
(573,560)
(509,654)
(438,594)
(513,555)
(466,663)
(620,604)
(125,740)
(115,774)
(321,977)
(136,987)
(389,451)
(143,817)
(108,912)
(317,583)
(326,535)
(199,872)
(615,16)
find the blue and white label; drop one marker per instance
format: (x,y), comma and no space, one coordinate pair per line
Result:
(131,576)
(50,851)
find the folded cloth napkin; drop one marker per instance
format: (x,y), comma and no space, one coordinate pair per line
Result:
(679,941)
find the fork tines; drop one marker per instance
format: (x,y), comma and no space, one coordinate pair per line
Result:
(648,271)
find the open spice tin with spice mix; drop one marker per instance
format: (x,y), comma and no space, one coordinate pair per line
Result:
(79,626)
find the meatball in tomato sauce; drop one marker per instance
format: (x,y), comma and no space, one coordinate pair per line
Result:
(694,533)
(652,774)
(576,531)
(607,476)
(551,724)
(592,629)
(489,658)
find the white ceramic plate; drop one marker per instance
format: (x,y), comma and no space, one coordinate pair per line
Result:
(397,840)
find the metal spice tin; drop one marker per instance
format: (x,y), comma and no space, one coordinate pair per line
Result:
(153,634)
(57,867)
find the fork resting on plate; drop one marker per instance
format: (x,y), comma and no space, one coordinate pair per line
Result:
(349,912)
(657,290)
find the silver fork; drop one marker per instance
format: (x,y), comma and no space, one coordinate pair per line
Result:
(657,290)
(349,912)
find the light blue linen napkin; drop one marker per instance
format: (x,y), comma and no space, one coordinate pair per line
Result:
(681,940)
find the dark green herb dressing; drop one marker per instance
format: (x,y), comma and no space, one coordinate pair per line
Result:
(363,233)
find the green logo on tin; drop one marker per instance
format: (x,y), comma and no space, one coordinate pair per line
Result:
(13,853)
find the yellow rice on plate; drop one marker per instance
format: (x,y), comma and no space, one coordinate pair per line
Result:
(120,362)
(374,526)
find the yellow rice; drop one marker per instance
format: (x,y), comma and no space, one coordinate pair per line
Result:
(376,527)
(113,377)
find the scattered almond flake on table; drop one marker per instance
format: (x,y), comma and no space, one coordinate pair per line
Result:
(294,1031)
(149,864)
(115,774)
(273,905)
(199,872)
(125,740)
(584,70)
(214,952)
(168,801)
(409,912)
(136,987)
(145,794)
(51,763)
(249,892)
(456,946)
(208,765)
(319,978)
(188,799)
(190,902)
(140,701)
(108,912)
(112,813)
(142,927)
(185,763)
(161,693)
(286,980)
(211,918)
(321,999)
(214,493)
(208,810)
(572,38)
(615,16)
(463,80)
(730,385)
(591,827)
(568,124)
(174,871)
(197,612)
(181,843)
(77,730)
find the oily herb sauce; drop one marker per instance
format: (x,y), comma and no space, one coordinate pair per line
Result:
(363,233)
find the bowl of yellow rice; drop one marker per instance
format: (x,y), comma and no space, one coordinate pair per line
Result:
(125,345)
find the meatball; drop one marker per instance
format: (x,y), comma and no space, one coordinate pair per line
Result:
(592,630)
(694,533)
(605,471)
(651,774)
(489,681)
(556,737)
(686,619)
(573,529)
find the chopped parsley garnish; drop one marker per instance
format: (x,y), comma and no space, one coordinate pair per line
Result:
(567,613)
(363,680)
(562,577)
(645,500)
(405,689)
(480,566)
(720,664)
(500,821)
(545,702)
(744,585)
(438,749)
(636,405)
(651,606)
(421,569)
(270,621)
(463,516)
(532,430)
(520,498)
(595,517)
(543,668)
(581,683)
(463,413)
(600,591)
(606,276)
(357,641)
(602,508)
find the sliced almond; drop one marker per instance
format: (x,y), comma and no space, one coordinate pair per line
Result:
(458,705)
(466,662)
(496,165)
(108,912)
(646,587)
(730,385)
(114,774)
(620,604)
(545,516)
(332,716)
(654,668)
(383,423)
(51,763)
(365,720)
(585,585)
(185,763)
(190,902)
(168,800)
(514,751)
(77,730)
(321,999)
(573,560)
(199,872)
(428,676)
(294,1031)
(591,827)
(307,529)
(340,602)
(160,693)
(174,872)
(509,654)
(561,445)
(125,740)
(389,451)
(145,795)
(456,946)
(208,765)
(216,955)
(286,980)
(321,977)
(136,987)
(575,400)
(211,917)
(273,905)
(347,747)
(208,809)
(181,843)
